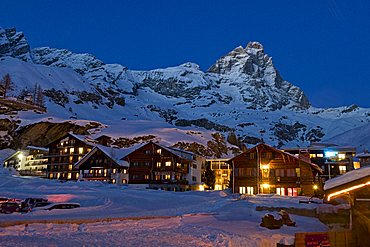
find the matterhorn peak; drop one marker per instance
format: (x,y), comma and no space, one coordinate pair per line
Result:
(254,45)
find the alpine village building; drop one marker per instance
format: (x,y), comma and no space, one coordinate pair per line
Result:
(161,167)
(334,160)
(75,157)
(264,170)
(29,161)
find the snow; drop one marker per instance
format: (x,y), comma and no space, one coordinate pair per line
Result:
(131,216)
(347,178)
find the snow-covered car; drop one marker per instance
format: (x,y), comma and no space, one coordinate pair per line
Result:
(64,205)
(34,202)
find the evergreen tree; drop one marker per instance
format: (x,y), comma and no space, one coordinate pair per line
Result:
(7,83)
(209,177)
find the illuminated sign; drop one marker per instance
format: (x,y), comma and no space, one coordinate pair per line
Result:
(330,153)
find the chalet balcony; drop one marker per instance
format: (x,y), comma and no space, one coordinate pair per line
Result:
(285,179)
(100,176)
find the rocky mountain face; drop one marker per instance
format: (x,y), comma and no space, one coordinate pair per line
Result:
(242,95)
(13,43)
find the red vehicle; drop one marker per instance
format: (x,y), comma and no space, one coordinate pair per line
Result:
(9,207)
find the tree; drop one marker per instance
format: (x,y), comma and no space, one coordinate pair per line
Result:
(38,96)
(209,177)
(7,84)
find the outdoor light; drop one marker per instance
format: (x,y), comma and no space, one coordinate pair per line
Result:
(265,167)
(20,156)
(265,186)
(315,187)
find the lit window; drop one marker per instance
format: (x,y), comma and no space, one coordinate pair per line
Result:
(58,175)
(167,177)
(51,175)
(146,177)
(80,150)
(71,150)
(241,190)
(250,190)
(342,156)
(61,144)
(124,181)
(178,164)
(280,191)
(292,192)
(70,159)
(356,164)
(159,151)
(69,175)
(157,177)
(312,155)
(113,181)
(79,157)
(77,175)
(342,169)
(100,171)
(70,167)
(114,171)
(168,163)
(319,155)
(65,150)
(124,171)
(159,164)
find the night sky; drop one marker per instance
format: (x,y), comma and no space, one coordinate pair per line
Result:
(322,46)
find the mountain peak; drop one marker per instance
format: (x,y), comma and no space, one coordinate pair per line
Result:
(254,45)
(14,44)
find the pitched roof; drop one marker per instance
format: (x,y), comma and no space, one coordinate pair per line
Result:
(348,177)
(314,166)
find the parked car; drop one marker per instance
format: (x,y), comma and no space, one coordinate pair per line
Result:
(64,205)
(3,199)
(9,207)
(33,202)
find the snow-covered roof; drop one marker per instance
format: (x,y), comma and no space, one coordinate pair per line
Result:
(363,155)
(347,178)
(38,148)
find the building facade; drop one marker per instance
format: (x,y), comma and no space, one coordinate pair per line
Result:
(222,170)
(332,159)
(29,161)
(75,157)
(264,170)
(162,167)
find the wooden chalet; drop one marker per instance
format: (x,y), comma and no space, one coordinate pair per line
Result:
(161,167)
(73,157)
(264,170)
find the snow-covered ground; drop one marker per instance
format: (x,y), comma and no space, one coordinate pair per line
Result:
(131,216)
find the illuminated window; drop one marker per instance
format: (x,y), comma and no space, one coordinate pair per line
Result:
(292,192)
(113,181)
(51,175)
(341,156)
(80,150)
(114,171)
(168,163)
(71,150)
(100,171)
(178,164)
(241,190)
(61,144)
(77,175)
(124,181)
(146,177)
(167,177)
(319,155)
(70,167)
(159,151)
(298,172)
(330,154)
(124,171)
(159,164)
(69,175)
(312,155)
(58,175)
(65,150)
(280,191)
(250,190)
(79,157)
(342,169)
(356,164)
(105,172)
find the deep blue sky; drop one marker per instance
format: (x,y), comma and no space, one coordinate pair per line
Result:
(322,46)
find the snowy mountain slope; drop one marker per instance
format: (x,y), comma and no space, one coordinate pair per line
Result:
(241,93)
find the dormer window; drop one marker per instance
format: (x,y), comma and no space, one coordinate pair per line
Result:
(159,151)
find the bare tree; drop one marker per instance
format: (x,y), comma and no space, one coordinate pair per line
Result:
(7,83)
